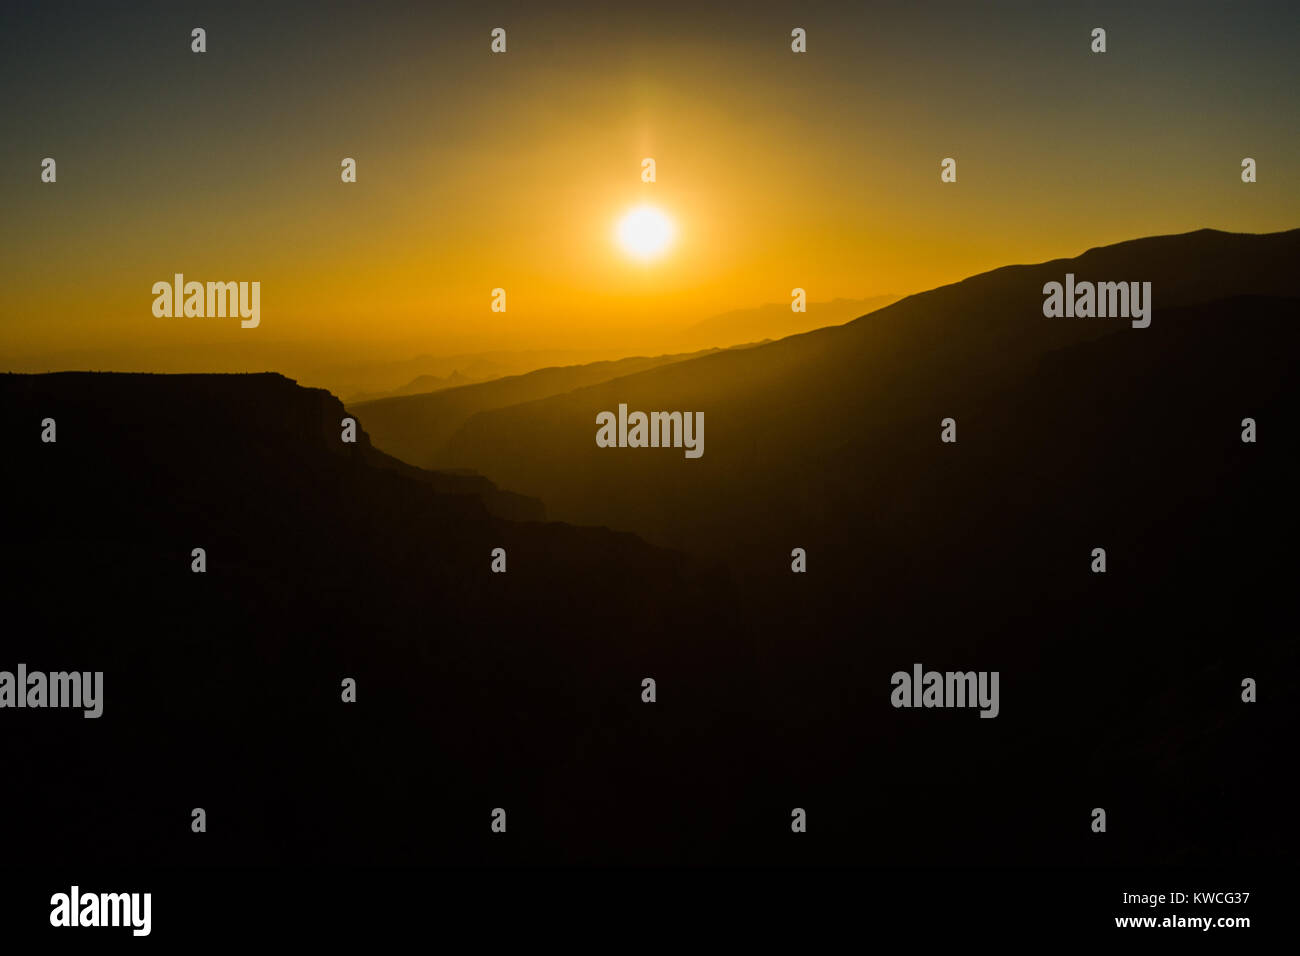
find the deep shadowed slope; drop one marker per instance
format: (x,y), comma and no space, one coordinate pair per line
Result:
(324,560)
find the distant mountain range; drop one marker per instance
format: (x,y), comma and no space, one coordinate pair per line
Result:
(777,320)
(416,427)
(419,385)
(729,330)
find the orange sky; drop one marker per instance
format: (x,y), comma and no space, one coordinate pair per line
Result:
(478,171)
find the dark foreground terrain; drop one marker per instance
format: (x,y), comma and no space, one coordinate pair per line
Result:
(523,690)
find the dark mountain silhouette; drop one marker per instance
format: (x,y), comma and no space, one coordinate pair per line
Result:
(783,420)
(415,428)
(1073,434)
(522,690)
(324,560)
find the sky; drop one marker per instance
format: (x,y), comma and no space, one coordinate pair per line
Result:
(478,171)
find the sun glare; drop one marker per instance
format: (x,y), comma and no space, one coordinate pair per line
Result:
(645,232)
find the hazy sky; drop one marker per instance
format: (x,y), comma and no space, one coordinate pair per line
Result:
(478,171)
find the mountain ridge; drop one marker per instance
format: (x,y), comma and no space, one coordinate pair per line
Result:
(924,357)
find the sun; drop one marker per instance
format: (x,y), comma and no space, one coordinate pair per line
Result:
(645,233)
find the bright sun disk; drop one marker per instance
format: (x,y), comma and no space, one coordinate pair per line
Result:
(645,232)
